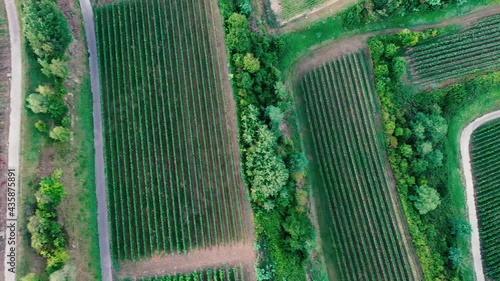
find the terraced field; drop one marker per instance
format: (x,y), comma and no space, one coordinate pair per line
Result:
(173,181)
(454,56)
(359,218)
(485,158)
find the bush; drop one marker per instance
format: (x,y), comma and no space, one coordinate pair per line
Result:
(45,28)
(60,134)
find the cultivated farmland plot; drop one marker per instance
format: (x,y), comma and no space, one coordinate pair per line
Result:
(221,274)
(357,198)
(485,158)
(457,55)
(173,184)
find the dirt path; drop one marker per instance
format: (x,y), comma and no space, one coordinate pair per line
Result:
(333,49)
(15,113)
(237,254)
(100,181)
(469,188)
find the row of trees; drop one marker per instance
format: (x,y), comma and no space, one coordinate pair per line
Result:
(274,166)
(48,34)
(48,237)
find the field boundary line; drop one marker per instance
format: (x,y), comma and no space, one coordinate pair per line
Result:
(100,180)
(465,139)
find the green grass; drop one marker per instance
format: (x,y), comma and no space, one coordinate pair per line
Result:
(78,210)
(300,43)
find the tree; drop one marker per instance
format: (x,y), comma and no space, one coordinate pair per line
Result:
(399,67)
(251,63)
(408,38)
(45,28)
(38,103)
(427,200)
(406,150)
(435,159)
(238,36)
(376,48)
(42,126)
(57,68)
(381,70)
(424,148)
(461,228)
(50,191)
(60,134)
(390,50)
(276,116)
(456,258)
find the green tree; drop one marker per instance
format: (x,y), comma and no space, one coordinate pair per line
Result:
(45,28)
(390,50)
(56,68)
(238,36)
(42,126)
(408,37)
(50,191)
(275,114)
(425,148)
(427,199)
(406,150)
(31,277)
(461,228)
(38,103)
(381,70)
(376,48)
(456,258)
(251,63)
(399,67)
(435,159)
(60,134)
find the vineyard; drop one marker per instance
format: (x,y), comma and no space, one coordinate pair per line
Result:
(485,155)
(358,210)
(173,181)
(457,55)
(221,274)
(290,8)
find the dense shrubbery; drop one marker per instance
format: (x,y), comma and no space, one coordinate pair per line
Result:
(47,235)
(372,10)
(48,34)
(273,165)
(415,127)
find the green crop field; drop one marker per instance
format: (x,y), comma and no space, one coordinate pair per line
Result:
(485,154)
(173,184)
(360,223)
(221,274)
(454,56)
(291,8)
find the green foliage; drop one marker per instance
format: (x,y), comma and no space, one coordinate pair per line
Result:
(42,126)
(245,7)
(427,200)
(238,35)
(60,134)
(45,28)
(408,38)
(399,67)
(47,235)
(456,258)
(251,63)
(461,228)
(56,68)
(31,277)
(38,103)
(67,273)
(352,17)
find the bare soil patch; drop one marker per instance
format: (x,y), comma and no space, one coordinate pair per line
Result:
(231,255)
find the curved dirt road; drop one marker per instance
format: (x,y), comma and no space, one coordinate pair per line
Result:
(469,187)
(100,181)
(14,118)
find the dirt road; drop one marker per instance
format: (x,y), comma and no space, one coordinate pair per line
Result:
(100,181)
(15,112)
(469,188)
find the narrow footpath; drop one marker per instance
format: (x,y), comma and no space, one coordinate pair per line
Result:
(100,181)
(14,125)
(469,188)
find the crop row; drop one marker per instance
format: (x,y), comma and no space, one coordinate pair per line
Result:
(485,154)
(222,274)
(457,55)
(355,188)
(172,181)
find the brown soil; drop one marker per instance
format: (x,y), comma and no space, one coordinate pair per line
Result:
(232,255)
